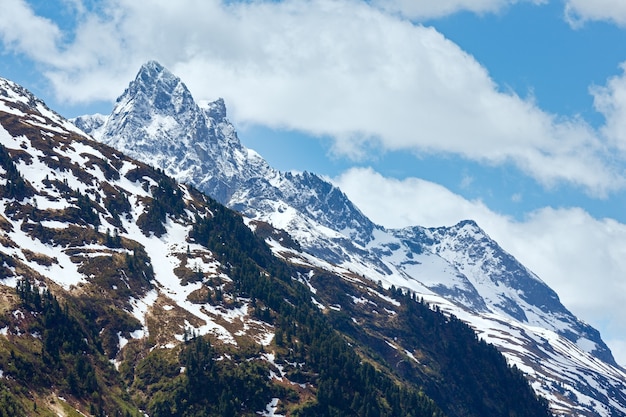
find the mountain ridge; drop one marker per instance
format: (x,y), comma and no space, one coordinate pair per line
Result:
(126,293)
(328,226)
(259,190)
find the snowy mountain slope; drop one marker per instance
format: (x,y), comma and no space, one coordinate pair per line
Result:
(459,264)
(509,288)
(575,382)
(63,173)
(156,120)
(109,271)
(113,238)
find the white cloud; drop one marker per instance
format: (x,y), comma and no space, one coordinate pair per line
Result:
(22,31)
(582,258)
(439,8)
(343,69)
(610,100)
(577,12)
(399,203)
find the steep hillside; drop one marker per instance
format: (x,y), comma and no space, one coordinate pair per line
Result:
(459,268)
(125,293)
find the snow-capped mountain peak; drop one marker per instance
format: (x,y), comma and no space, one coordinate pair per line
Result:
(507,286)
(157,119)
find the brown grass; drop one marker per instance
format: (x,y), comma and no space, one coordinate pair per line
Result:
(40,258)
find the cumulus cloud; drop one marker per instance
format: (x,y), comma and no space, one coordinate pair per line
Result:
(579,256)
(23,31)
(610,100)
(390,205)
(577,12)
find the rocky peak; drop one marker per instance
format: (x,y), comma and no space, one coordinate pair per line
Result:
(157,120)
(151,70)
(90,123)
(156,90)
(507,286)
(216,109)
(156,115)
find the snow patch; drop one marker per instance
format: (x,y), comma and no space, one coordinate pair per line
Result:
(270,409)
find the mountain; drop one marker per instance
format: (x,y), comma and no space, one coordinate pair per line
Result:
(158,104)
(126,293)
(459,269)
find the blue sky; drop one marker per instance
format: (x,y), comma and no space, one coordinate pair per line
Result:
(508,112)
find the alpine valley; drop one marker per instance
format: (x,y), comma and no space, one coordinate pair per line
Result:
(152,265)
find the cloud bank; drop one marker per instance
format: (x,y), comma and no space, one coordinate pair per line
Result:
(349,70)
